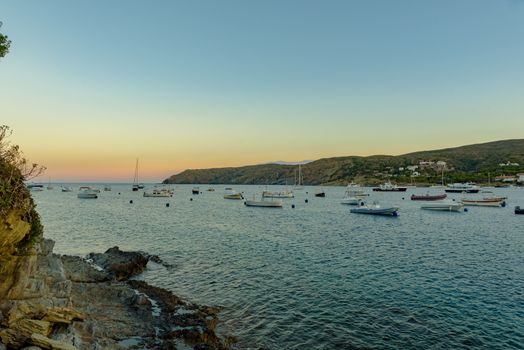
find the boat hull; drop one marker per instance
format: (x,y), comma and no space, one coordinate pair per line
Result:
(376,211)
(483,203)
(454,207)
(277,194)
(428,198)
(397,189)
(519,210)
(456,190)
(233,196)
(350,201)
(320,194)
(87,195)
(264,204)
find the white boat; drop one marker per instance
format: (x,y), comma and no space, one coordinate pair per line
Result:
(232,194)
(462,188)
(444,205)
(389,187)
(136,186)
(264,203)
(298,184)
(195,190)
(279,194)
(107,188)
(353,195)
(159,192)
(375,209)
(87,192)
(67,189)
(487,202)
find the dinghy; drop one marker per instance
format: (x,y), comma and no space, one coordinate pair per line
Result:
(375,209)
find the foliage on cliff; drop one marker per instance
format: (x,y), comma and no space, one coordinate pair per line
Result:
(14,169)
(5,43)
(471,162)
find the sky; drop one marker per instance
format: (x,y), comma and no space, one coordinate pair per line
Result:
(90,86)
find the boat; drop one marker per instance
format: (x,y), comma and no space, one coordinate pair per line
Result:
(159,192)
(484,202)
(495,198)
(320,193)
(107,188)
(232,194)
(136,185)
(462,188)
(353,195)
(279,194)
(211,189)
(428,197)
(519,210)
(195,190)
(389,187)
(443,205)
(298,184)
(375,209)
(87,192)
(263,203)
(66,189)
(33,185)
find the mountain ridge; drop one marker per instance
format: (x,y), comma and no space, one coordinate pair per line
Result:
(474,162)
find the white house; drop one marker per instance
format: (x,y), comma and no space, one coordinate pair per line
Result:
(412,167)
(520,177)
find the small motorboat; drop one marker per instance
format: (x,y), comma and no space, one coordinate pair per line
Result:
(489,202)
(278,194)
(263,203)
(428,197)
(210,189)
(159,192)
(66,189)
(375,209)
(87,192)
(389,187)
(519,210)
(232,194)
(353,195)
(351,200)
(320,193)
(107,188)
(443,206)
(462,188)
(195,190)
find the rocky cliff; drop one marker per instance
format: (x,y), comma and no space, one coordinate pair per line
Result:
(48,301)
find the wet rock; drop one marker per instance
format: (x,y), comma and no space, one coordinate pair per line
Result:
(121,265)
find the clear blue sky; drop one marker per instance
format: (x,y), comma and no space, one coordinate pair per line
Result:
(94,84)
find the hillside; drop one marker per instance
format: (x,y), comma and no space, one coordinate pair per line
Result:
(471,162)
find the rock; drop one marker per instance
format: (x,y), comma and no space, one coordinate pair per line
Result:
(28,327)
(48,343)
(121,265)
(78,269)
(63,315)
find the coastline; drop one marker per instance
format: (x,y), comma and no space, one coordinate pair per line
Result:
(69,302)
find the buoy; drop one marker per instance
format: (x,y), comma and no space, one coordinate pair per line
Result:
(167,204)
(402,198)
(191,199)
(465,210)
(306,201)
(292,206)
(131,201)
(503,204)
(118,192)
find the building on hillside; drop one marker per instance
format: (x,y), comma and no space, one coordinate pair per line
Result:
(442,164)
(520,177)
(506,178)
(508,163)
(412,167)
(415,174)
(401,169)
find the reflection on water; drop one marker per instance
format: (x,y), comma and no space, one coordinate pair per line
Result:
(317,276)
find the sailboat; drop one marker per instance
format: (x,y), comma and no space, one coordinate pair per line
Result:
(49,186)
(298,185)
(136,185)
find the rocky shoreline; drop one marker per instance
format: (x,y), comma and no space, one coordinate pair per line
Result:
(69,302)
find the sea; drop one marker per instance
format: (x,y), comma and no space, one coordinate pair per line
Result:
(312,275)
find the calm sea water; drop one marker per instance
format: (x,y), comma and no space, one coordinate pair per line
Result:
(318,277)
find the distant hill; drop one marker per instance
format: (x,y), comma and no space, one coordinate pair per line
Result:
(465,163)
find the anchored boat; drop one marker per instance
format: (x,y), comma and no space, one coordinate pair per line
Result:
(263,203)
(462,188)
(519,210)
(375,209)
(488,202)
(232,194)
(389,187)
(428,197)
(443,206)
